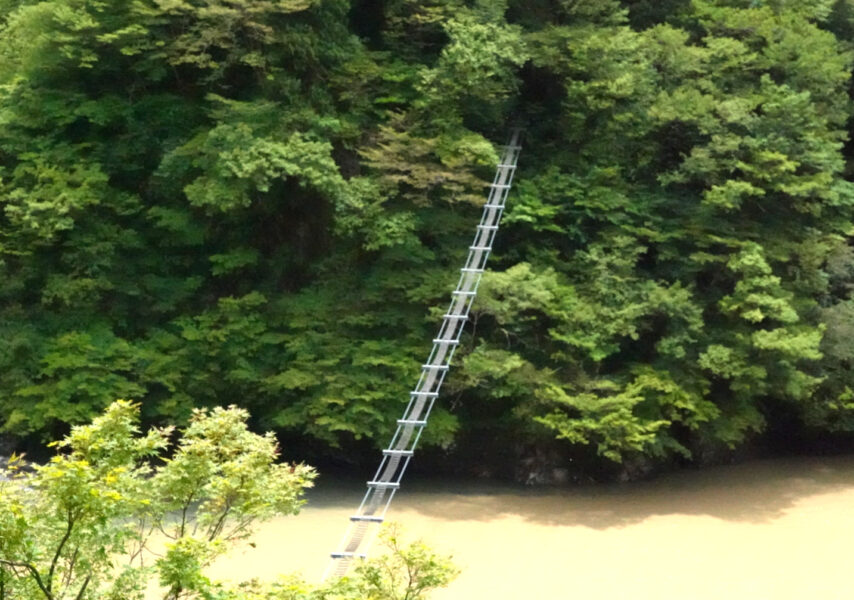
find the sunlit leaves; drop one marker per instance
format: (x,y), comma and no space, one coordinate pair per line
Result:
(404,572)
(64,526)
(424,168)
(238,165)
(479,60)
(43,198)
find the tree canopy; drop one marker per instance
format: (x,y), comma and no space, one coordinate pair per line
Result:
(111,511)
(207,202)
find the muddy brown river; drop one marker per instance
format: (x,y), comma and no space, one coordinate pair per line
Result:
(768,530)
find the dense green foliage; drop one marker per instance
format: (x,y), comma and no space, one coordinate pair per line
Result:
(111,512)
(263,202)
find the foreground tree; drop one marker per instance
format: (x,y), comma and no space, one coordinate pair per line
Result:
(81,525)
(400,572)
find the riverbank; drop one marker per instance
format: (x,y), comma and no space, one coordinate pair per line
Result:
(772,529)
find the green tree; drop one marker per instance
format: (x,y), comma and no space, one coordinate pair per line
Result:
(670,244)
(401,572)
(80,525)
(206,200)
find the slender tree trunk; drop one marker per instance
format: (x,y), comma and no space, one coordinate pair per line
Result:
(173,593)
(83,589)
(58,554)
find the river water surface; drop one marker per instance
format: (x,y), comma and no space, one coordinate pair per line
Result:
(767,530)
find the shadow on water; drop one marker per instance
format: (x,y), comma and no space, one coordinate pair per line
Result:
(756,492)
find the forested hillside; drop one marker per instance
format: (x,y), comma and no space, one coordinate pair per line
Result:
(264,202)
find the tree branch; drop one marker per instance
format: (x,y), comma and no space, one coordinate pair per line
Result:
(83,589)
(66,579)
(35,573)
(59,548)
(220,524)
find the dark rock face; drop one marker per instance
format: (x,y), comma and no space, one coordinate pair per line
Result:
(542,465)
(7,445)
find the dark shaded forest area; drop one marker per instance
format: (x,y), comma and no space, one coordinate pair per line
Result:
(264,203)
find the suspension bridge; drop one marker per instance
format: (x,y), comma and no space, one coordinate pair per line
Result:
(396,457)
